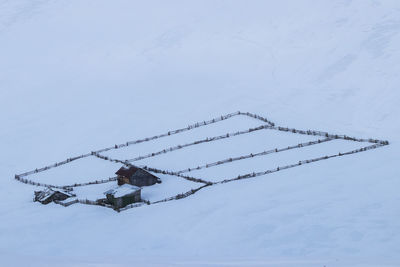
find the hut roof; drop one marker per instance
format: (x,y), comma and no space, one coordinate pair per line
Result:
(127,172)
(122,190)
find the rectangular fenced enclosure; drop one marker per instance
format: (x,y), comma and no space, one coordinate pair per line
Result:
(224,149)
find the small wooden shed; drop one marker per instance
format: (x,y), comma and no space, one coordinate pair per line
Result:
(52,195)
(136,176)
(123,195)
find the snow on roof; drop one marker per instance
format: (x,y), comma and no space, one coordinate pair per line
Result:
(127,172)
(123,190)
(48,192)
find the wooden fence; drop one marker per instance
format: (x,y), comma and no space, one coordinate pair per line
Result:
(269,125)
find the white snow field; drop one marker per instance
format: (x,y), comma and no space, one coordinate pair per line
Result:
(80,75)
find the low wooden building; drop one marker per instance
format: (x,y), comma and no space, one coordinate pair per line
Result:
(52,195)
(123,195)
(136,176)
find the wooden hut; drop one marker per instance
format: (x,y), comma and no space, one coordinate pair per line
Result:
(121,196)
(52,195)
(136,176)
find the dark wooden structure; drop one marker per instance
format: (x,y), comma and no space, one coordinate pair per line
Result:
(136,176)
(123,195)
(51,195)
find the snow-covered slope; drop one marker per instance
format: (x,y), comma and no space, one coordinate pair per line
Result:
(76,76)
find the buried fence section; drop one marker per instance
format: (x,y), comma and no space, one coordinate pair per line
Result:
(30,182)
(301,162)
(251,155)
(189,178)
(206,140)
(169,133)
(57,164)
(328,135)
(182,195)
(255,116)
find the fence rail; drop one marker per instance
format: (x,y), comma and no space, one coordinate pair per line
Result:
(30,182)
(301,162)
(251,155)
(198,142)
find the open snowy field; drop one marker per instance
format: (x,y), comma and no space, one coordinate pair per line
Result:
(77,76)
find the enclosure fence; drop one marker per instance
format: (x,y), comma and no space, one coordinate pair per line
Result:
(181,173)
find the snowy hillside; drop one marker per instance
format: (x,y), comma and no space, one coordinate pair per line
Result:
(77,76)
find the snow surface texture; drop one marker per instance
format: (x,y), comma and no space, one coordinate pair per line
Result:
(78,75)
